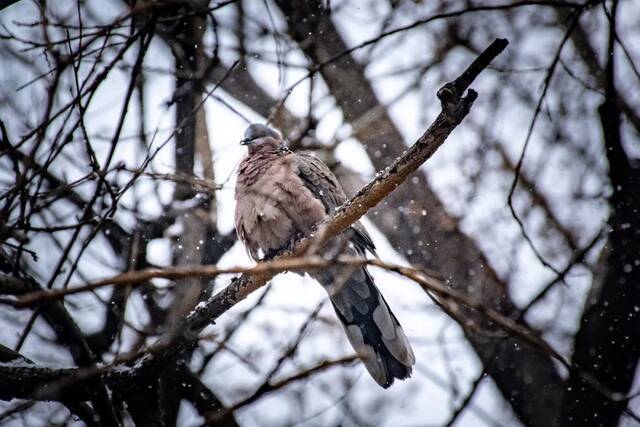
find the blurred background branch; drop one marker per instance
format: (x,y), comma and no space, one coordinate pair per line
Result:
(119,127)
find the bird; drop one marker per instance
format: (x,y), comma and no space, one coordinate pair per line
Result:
(282,195)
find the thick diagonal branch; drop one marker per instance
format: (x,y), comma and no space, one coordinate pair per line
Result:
(420,226)
(454,108)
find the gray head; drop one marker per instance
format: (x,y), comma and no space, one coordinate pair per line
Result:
(258,133)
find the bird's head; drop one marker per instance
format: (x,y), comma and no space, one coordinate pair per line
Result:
(259,137)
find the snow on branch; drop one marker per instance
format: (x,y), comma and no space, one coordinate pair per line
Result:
(455,106)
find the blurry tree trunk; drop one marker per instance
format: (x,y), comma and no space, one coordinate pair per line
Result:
(198,241)
(607,345)
(580,38)
(417,224)
(413,219)
(195,222)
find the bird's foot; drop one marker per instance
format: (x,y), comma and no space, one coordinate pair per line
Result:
(291,244)
(272,254)
(294,241)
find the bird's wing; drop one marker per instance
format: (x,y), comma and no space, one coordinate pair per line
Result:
(324,185)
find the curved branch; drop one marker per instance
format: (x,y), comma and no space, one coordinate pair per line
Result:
(455,107)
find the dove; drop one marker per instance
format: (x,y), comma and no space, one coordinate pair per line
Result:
(281,196)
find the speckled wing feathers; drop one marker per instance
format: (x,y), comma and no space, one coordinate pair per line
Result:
(324,185)
(372,329)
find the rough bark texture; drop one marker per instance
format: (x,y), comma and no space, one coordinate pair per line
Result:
(432,241)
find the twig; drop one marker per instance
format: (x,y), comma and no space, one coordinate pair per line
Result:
(266,388)
(536,113)
(455,107)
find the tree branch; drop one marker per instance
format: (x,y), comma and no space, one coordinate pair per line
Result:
(69,334)
(420,227)
(607,345)
(455,107)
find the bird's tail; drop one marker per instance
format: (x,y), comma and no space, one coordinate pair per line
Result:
(372,329)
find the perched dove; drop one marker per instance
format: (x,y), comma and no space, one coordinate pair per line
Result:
(281,195)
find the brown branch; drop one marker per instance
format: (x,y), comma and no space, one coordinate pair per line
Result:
(454,108)
(314,262)
(214,417)
(139,277)
(420,227)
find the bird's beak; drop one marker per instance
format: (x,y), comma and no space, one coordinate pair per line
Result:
(245,141)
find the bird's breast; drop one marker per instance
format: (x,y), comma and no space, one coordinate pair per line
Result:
(274,208)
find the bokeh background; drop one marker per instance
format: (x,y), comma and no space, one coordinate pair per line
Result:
(121,128)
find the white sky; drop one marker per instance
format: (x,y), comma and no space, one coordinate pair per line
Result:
(422,400)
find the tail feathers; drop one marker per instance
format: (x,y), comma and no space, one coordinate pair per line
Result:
(372,329)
